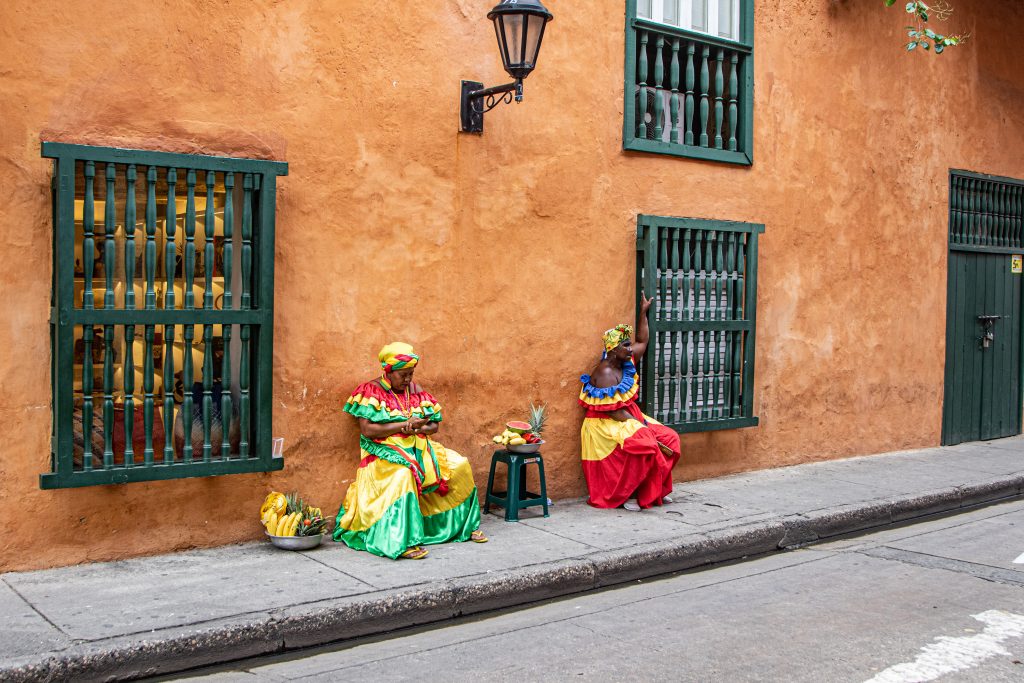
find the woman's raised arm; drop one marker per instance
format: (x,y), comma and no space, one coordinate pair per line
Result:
(642,331)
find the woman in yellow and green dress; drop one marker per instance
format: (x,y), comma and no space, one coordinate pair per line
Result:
(409,490)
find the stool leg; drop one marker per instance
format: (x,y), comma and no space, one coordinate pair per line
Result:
(490,487)
(512,492)
(543,485)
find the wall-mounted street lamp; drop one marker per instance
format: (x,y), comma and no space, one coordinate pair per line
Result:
(519,26)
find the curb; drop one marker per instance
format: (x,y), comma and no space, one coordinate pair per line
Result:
(264,633)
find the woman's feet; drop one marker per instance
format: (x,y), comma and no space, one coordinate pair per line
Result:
(415,553)
(478,537)
(633,506)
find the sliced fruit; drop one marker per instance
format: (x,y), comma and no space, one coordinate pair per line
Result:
(518,427)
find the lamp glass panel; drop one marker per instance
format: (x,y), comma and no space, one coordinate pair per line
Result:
(534,30)
(512,26)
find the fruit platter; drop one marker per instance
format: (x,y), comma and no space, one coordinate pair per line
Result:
(524,437)
(291,523)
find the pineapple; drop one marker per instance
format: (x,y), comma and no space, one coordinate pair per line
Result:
(538,417)
(310,520)
(295,504)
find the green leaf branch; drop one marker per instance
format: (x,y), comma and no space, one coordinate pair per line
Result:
(920,35)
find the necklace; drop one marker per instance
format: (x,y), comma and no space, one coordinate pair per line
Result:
(406,408)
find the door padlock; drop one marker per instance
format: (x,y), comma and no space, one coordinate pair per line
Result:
(989,333)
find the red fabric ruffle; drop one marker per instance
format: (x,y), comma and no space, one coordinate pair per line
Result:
(607,408)
(636,469)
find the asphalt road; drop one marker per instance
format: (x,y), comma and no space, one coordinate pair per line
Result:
(940,600)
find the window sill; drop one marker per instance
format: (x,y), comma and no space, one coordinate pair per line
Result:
(713,425)
(689,151)
(178,470)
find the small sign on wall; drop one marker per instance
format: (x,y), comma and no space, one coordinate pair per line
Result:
(1016,263)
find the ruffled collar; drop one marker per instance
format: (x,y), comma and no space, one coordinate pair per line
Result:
(627,383)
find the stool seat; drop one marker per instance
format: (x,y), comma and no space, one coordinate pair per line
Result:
(515,497)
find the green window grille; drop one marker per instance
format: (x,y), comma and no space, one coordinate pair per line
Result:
(698,372)
(162,309)
(985,212)
(689,85)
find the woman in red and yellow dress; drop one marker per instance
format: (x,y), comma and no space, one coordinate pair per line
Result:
(409,489)
(626,454)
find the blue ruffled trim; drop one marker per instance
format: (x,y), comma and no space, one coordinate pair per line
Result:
(628,380)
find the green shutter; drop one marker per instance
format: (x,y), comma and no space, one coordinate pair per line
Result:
(126,364)
(698,372)
(715,121)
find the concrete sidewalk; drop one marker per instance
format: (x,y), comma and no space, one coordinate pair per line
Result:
(172,612)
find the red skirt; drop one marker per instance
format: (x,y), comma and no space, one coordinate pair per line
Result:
(623,460)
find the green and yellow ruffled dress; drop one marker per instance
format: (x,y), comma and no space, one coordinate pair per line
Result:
(409,489)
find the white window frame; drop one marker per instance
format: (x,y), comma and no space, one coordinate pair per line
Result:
(684,10)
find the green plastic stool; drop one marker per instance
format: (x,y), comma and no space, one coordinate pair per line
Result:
(515,497)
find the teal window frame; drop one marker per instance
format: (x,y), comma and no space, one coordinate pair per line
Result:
(685,263)
(251,315)
(712,96)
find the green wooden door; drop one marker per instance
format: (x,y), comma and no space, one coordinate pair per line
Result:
(983,309)
(983,349)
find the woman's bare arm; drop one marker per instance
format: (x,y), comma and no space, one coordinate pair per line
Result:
(382,430)
(643,333)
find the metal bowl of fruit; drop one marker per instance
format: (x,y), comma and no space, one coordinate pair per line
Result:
(525,447)
(295,542)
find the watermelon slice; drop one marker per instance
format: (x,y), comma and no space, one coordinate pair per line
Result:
(518,427)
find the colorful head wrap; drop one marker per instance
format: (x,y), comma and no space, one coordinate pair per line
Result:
(614,336)
(396,356)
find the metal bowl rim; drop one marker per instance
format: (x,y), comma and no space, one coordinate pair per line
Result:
(295,542)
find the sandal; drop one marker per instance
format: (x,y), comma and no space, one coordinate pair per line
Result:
(478,537)
(414,553)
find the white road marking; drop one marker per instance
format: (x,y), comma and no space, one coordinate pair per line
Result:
(1020,559)
(948,654)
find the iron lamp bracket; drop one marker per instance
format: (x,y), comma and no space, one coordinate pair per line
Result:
(476,100)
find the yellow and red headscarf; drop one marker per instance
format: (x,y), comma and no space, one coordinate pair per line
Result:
(614,336)
(397,355)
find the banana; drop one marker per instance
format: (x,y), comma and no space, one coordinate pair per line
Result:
(282,525)
(294,525)
(271,521)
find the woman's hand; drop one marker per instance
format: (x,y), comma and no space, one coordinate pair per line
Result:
(642,331)
(620,415)
(416,425)
(428,428)
(645,303)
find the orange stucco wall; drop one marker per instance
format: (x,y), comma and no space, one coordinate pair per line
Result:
(501,256)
